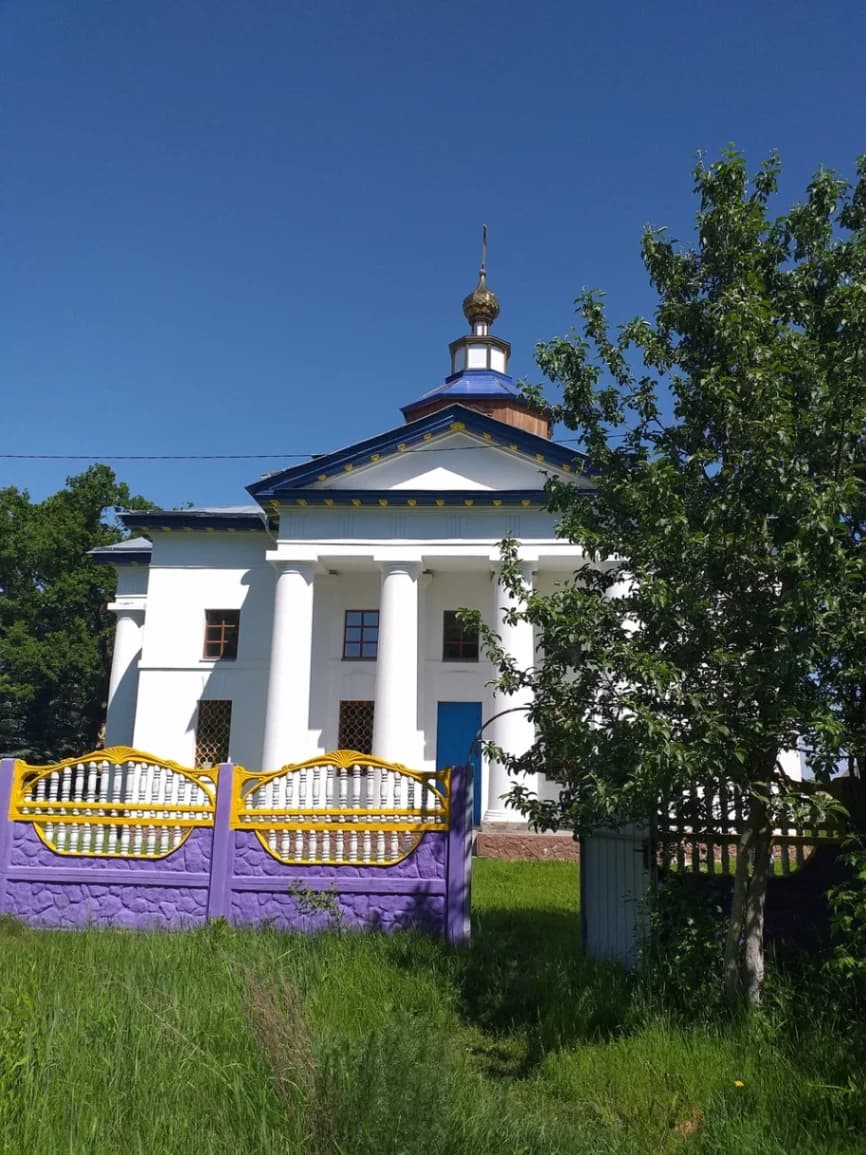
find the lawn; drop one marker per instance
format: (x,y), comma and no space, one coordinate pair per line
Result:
(235,1041)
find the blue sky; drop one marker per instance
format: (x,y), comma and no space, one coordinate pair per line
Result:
(247,227)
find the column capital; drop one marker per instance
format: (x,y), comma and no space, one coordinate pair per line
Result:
(524,557)
(131,604)
(306,568)
(412,568)
(528,571)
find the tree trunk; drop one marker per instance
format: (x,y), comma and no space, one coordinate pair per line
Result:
(744,968)
(733,985)
(753,956)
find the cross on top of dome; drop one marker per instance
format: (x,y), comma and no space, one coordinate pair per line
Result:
(481,307)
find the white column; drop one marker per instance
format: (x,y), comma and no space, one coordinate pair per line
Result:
(395,717)
(123,683)
(287,733)
(511,730)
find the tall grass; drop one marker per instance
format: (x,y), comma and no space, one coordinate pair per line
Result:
(237,1041)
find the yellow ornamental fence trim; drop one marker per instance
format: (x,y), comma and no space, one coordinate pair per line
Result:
(341,808)
(113,803)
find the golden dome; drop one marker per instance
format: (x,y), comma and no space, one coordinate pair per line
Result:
(482,304)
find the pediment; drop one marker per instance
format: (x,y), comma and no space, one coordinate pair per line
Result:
(454,449)
(451,461)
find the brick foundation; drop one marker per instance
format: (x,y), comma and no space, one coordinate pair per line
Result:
(526,845)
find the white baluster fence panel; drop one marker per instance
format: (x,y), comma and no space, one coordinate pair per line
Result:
(341,808)
(116,803)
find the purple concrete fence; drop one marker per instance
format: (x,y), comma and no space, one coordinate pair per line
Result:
(221,871)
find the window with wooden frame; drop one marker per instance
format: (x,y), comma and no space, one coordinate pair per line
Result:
(212,731)
(361,636)
(356,726)
(459,642)
(221,634)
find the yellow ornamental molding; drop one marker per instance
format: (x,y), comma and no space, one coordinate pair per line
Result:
(114,755)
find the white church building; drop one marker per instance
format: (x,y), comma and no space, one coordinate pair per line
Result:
(324,614)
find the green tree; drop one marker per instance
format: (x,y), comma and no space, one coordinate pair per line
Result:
(55,632)
(725,436)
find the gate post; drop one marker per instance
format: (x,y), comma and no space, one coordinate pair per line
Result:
(458,890)
(7,828)
(219,895)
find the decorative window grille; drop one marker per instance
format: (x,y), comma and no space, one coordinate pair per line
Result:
(459,642)
(361,635)
(356,726)
(221,633)
(212,732)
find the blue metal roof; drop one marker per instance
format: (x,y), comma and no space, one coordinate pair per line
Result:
(133,551)
(470,383)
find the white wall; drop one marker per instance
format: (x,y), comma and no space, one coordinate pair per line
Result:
(132,581)
(332,679)
(441,681)
(191,573)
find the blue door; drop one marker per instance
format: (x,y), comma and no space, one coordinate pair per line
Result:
(458,744)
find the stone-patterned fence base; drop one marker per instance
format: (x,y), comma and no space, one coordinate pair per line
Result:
(122,838)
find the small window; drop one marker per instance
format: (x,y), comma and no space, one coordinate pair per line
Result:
(459,642)
(221,633)
(212,732)
(361,635)
(356,726)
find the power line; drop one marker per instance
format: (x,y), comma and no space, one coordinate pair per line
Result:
(228,456)
(148,456)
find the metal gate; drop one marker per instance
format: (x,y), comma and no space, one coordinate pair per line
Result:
(615,874)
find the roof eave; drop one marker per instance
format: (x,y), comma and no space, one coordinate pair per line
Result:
(212,521)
